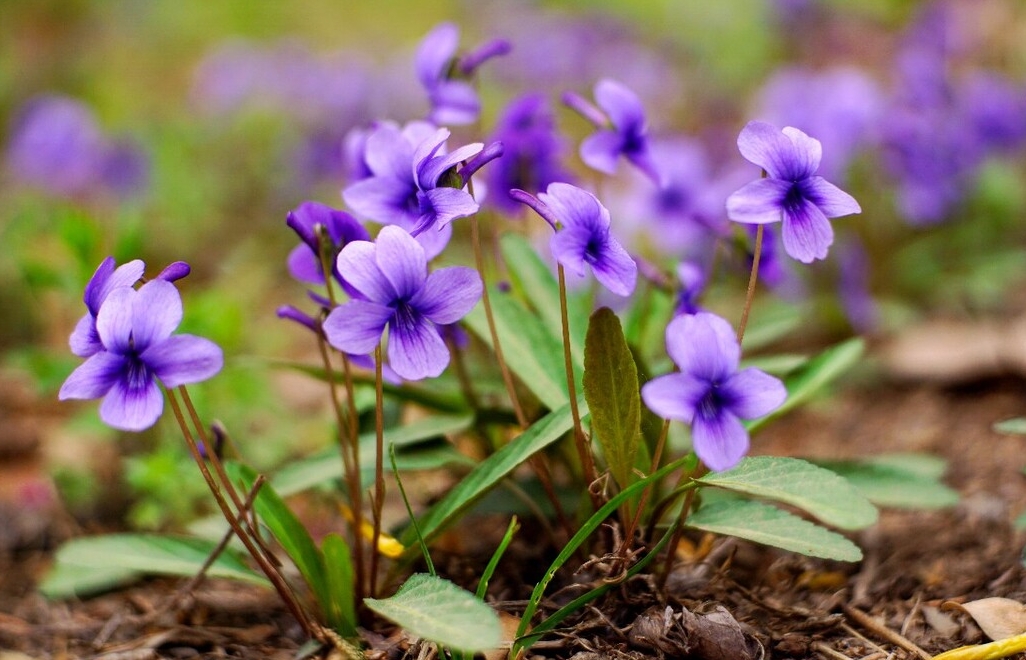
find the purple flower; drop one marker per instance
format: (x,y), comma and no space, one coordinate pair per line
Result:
(304,260)
(709,392)
(397,292)
(692,283)
(582,236)
(411,184)
(453,99)
(790,192)
(623,130)
(532,149)
(135,329)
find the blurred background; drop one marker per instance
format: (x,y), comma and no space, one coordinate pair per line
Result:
(186,130)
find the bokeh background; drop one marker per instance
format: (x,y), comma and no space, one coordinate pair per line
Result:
(186,130)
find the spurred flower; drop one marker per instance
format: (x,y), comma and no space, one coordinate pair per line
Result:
(397,292)
(304,261)
(790,192)
(582,236)
(139,349)
(709,392)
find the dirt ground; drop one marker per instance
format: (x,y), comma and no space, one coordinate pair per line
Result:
(738,601)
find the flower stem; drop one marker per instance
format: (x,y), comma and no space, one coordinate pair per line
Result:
(581,442)
(751,284)
(379,468)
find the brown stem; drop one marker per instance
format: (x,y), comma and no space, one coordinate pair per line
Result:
(379,467)
(657,456)
(751,284)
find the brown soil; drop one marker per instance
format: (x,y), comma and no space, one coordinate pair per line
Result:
(732,600)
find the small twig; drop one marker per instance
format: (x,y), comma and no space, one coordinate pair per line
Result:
(821,647)
(873,625)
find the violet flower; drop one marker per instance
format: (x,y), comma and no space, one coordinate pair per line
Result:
(790,192)
(136,329)
(623,129)
(582,236)
(304,261)
(709,392)
(454,100)
(397,292)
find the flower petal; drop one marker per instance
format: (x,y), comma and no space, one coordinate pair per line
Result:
(808,152)
(601,149)
(429,171)
(446,205)
(719,440)
(759,202)
(766,146)
(621,105)
(356,327)
(674,396)
(569,246)
(830,199)
(156,313)
(357,264)
(434,240)
(94,377)
(107,278)
(434,53)
(84,340)
(571,205)
(401,260)
(303,265)
(807,233)
(183,359)
(132,406)
(448,294)
(752,393)
(114,322)
(388,153)
(383,199)
(615,269)
(703,345)
(454,103)
(415,349)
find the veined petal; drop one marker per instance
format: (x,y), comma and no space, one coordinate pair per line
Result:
(766,146)
(383,199)
(84,340)
(303,265)
(752,393)
(156,313)
(703,345)
(674,396)
(615,269)
(357,264)
(356,327)
(107,278)
(388,153)
(454,103)
(571,205)
(808,152)
(830,199)
(569,245)
(621,105)
(132,406)
(94,377)
(759,202)
(415,349)
(448,204)
(435,51)
(427,150)
(601,149)
(448,294)
(114,322)
(432,169)
(402,261)
(719,440)
(183,359)
(807,233)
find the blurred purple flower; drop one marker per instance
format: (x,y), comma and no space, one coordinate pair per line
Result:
(853,286)
(136,329)
(583,237)
(791,192)
(341,228)
(709,392)
(691,278)
(454,100)
(397,292)
(532,149)
(623,129)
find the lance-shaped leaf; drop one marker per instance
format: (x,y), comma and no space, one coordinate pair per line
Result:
(819,491)
(611,389)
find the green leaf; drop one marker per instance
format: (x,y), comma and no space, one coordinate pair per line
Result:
(293,537)
(493,469)
(799,483)
(769,525)
(327,465)
(531,351)
(816,374)
(1015,426)
(611,389)
(891,483)
(439,611)
(340,578)
(89,565)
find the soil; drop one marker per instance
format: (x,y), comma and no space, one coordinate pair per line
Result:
(723,599)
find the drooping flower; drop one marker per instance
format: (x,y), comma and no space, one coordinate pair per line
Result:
(304,261)
(623,129)
(85,340)
(136,329)
(583,237)
(709,392)
(397,293)
(445,76)
(791,192)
